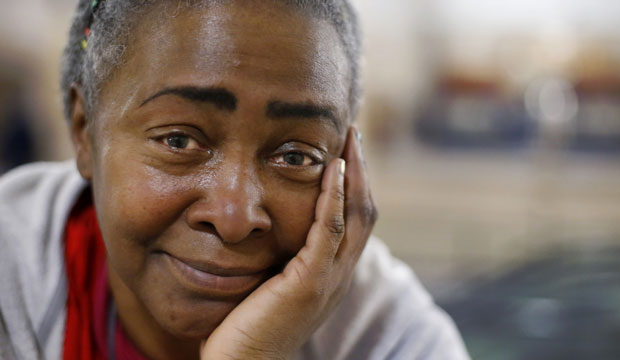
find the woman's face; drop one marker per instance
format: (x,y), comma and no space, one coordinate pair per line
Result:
(206,152)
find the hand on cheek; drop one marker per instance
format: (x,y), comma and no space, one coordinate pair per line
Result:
(281,315)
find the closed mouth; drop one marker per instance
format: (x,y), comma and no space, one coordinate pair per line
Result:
(215,281)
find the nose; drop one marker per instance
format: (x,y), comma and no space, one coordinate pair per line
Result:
(231,204)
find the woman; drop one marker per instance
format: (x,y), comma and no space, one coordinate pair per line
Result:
(219,205)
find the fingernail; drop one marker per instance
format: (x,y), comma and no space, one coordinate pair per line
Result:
(342,167)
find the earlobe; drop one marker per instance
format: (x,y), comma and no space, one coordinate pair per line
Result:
(82,141)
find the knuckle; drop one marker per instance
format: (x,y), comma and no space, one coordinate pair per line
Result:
(372,213)
(316,293)
(367,211)
(338,194)
(335,225)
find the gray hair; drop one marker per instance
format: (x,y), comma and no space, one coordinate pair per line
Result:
(112,24)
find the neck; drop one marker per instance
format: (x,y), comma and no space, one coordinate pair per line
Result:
(140,326)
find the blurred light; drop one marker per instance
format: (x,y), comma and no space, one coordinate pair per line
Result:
(552,101)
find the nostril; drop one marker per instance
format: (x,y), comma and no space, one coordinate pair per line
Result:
(258,232)
(207,226)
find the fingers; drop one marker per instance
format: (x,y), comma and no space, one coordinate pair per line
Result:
(329,227)
(360,211)
(344,217)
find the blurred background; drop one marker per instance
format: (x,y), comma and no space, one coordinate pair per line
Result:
(492,130)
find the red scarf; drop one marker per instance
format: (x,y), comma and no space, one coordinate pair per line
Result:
(88,299)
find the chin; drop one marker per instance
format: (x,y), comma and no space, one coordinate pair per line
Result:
(193,319)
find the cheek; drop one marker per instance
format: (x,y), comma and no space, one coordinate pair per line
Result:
(293,214)
(135,205)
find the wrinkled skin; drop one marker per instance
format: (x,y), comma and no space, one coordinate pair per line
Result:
(217,176)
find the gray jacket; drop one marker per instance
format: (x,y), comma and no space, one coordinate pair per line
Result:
(386,315)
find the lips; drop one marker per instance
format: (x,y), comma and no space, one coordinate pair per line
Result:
(213,280)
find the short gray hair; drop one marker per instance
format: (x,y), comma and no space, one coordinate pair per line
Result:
(112,23)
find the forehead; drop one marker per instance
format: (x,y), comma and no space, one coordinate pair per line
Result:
(258,50)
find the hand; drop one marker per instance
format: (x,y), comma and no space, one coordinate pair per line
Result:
(280,316)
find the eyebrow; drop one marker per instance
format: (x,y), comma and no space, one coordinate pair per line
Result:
(281,110)
(219,97)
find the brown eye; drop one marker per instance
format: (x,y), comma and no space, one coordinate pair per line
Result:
(294,158)
(177,141)
(297,159)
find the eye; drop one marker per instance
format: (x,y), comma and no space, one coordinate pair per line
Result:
(296,158)
(180,141)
